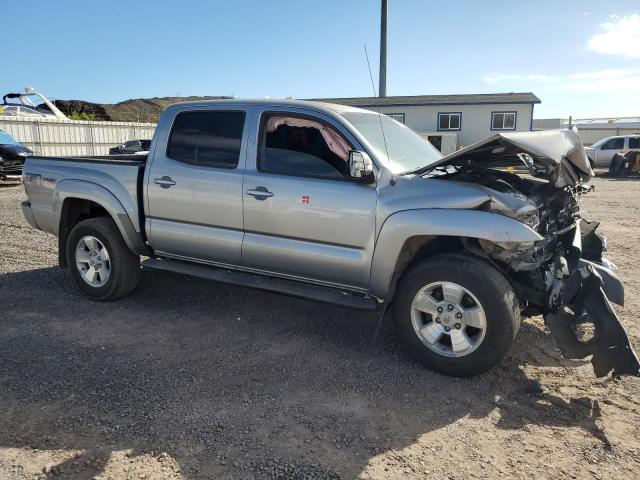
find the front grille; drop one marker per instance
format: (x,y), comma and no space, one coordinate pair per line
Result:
(12,169)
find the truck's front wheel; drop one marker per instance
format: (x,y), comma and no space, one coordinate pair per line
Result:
(101,264)
(457,314)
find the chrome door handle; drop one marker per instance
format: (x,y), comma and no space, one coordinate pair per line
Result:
(164,182)
(260,193)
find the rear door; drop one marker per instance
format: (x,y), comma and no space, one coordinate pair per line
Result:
(194,189)
(303,216)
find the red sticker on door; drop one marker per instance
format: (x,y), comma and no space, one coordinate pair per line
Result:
(305,199)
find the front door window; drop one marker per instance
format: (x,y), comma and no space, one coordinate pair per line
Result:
(614,144)
(302,147)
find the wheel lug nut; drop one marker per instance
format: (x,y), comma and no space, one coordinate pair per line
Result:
(437,319)
(446,329)
(449,307)
(458,315)
(439,309)
(457,326)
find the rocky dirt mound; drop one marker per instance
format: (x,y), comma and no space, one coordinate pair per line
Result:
(134,110)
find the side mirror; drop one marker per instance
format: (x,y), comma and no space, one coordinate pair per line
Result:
(360,166)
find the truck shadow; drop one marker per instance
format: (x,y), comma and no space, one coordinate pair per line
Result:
(232,382)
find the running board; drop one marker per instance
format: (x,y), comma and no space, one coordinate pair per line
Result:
(263,282)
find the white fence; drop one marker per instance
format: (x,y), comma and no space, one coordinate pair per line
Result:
(592,135)
(58,137)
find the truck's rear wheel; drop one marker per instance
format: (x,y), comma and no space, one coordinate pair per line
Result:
(100,262)
(457,314)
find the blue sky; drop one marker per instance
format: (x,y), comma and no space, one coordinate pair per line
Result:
(582,58)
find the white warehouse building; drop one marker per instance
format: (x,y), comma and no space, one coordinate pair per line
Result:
(451,122)
(593,129)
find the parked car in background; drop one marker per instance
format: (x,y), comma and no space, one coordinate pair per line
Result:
(601,153)
(348,206)
(131,147)
(12,156)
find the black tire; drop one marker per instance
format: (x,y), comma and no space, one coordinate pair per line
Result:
(124,264)
(491,289)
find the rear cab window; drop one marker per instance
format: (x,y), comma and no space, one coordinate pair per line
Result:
(634,142)
(302,146)
(207,138)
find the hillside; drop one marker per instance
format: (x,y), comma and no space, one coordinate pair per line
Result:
(134,110)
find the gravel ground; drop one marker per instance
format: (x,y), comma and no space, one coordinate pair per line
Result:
(192,379)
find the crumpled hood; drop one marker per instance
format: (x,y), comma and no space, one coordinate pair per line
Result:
(416,192)
(560,153)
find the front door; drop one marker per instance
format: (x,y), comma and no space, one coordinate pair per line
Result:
(608,150)
(194,190)
(303,216)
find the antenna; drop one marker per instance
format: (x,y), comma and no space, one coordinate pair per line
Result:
(373,86)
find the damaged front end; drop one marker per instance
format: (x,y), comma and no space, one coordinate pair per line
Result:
(538,178)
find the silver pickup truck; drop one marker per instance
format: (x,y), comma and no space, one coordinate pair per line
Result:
(344,205)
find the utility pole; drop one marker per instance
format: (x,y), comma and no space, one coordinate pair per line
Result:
(382,87)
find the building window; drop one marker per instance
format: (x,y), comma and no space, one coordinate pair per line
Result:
(503,120)
(398,117)
(449,120)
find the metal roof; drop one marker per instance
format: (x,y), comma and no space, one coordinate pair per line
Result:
(418,100)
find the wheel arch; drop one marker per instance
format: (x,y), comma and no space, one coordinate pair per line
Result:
(75,201)
(414,235)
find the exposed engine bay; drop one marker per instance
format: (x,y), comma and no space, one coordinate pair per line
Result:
(563,276)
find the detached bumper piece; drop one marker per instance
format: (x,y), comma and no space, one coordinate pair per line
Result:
(586,324)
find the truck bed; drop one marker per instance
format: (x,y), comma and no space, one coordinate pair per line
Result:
(101,159)
(47,180)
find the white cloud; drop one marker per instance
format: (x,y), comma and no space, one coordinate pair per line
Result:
(516,78)
(599,81)
(611,73)
(620,36)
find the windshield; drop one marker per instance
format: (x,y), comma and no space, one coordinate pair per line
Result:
(5,138)
(407,150)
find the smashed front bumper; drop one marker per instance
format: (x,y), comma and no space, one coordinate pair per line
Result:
(586,303)
(583,322)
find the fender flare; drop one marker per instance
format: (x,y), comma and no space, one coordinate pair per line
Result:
(401,226)
(85,190)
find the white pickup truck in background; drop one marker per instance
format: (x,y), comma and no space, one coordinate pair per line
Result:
(601,152)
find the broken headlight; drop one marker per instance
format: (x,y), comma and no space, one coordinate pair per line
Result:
(530,219)
(518,255)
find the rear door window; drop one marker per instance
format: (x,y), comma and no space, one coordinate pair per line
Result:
(207,138)
(634,142)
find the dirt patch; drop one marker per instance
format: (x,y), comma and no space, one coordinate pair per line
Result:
(192,379)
